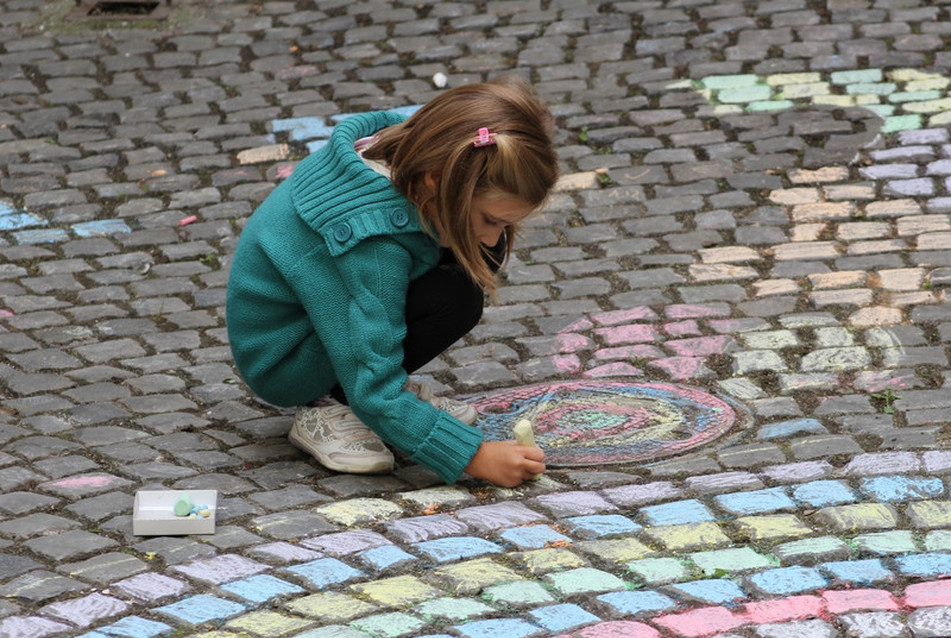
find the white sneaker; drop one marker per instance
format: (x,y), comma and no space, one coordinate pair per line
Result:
(457,409)
(333,435)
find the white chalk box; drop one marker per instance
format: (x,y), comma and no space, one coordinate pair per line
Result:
(154,513)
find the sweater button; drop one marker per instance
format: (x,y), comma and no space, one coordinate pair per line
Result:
(342,232)
(399,217)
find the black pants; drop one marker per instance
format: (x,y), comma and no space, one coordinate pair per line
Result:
(442,306)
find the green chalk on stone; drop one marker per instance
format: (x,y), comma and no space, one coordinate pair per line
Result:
(524,435)
(183,506)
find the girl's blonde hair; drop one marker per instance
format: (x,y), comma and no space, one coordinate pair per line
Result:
(439,140)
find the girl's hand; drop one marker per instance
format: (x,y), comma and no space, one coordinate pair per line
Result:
(505,463)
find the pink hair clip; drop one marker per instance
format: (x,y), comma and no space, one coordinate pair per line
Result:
(485,138)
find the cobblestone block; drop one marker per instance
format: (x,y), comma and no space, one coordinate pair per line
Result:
(893,542)
(470,576)
(585,580)
(755,502)
(809,551)
(656,571)
(331,607)
(858,572)
(520,594)
(201,608)
(689,537)
(676,513)
(929,514)
(924,565)
(864,516)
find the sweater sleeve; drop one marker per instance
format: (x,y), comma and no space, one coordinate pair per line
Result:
(367,353)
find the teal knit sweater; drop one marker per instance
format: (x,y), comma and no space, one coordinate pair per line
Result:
(317,292)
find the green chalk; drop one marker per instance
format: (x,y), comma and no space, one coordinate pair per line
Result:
(183,506)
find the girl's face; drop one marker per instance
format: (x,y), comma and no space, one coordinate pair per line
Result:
(492,213)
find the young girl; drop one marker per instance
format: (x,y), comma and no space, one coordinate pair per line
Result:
(372,259)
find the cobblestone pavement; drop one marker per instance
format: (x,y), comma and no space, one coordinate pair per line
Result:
(757,202)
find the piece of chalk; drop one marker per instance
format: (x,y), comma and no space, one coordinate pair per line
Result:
(524,435)
(183,506)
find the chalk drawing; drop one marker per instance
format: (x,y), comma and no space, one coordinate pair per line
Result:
(595,422)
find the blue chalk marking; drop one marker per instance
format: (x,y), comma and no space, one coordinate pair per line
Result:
(498,628)
(385,556)
(756,502)
(135,627)
(44,236)
(533,536)
(562,617)
(789,580)
(677,513)
(324,572)
(858,571)
(717,591)
(261,588)
(790,428)
(202,608)
(102,228)
(634,602)
(902,488)
(824,493)
(928,565)
(603,524)
(457,548)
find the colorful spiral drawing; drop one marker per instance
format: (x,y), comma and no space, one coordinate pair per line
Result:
(596,422)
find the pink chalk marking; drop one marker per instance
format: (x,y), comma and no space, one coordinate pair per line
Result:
(840,602)
(691,311)
(702,346)
(191,219)
(630,352)
(615,317)
(567,363)
(634,333)
(932,594)
(619,629)
(284,170)
(5,313)
(681,367)
(571,342)
(578,326)
(697,623)
(782,610)
(78,482)
(682,328)
(616,369)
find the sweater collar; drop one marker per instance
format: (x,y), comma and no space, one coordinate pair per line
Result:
(334,181)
